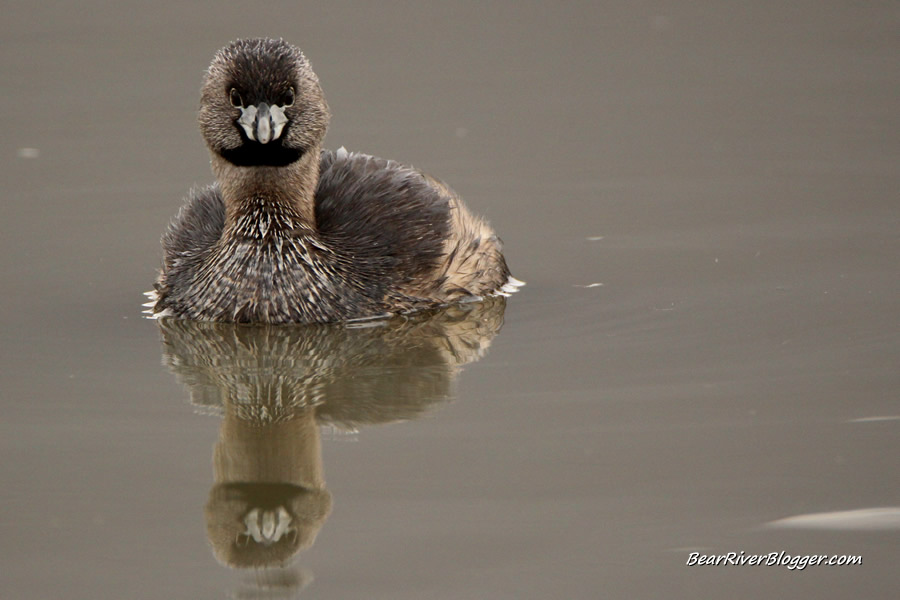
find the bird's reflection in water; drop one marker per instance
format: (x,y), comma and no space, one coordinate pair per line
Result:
(275,385)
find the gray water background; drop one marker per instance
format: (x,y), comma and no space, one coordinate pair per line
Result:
(702,197)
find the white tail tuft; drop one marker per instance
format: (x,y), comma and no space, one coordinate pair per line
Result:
(511,286)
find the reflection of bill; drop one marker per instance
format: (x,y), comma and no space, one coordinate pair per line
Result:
(274,386)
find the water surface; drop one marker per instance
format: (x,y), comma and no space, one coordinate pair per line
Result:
(702,199)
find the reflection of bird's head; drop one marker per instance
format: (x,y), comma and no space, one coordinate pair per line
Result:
(261,104)
(263,525)
(269,500)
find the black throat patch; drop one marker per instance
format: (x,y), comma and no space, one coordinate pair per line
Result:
(254,154)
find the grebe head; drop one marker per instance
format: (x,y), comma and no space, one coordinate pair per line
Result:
(261,104)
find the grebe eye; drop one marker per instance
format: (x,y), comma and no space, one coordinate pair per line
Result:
(235,98)
(290,97)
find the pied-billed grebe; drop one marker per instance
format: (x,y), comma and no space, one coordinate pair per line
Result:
(294,234)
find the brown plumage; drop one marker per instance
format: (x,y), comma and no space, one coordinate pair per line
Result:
(291,233)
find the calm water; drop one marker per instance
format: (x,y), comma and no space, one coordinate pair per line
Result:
(703,200)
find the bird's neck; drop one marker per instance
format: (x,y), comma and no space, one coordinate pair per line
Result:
(283,196)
